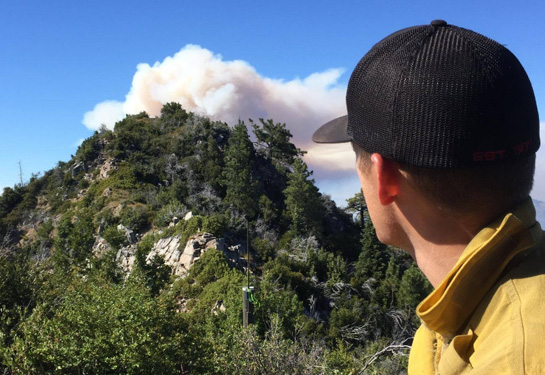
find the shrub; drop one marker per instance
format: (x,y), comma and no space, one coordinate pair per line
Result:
(135,217)
(216,224)
(115,237)
(102,328)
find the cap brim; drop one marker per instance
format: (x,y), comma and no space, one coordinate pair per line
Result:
(335,131)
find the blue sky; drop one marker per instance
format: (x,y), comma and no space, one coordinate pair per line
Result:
(61,58)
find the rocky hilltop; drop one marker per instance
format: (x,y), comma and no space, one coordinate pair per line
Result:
(130,258)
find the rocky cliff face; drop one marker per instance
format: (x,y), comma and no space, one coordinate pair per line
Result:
(180,258)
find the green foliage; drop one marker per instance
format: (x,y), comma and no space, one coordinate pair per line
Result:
(173,114)
(273,142)
(280,273)
(106,218)
(336,269)
(101,328)
(237,174)
(373,259)
(8,200)
(44,231)
(156,274)
(264,248)
(213,162)
(106,267)
(189,228)
(81,237)
(89,149)
(217,224)
(16,293)
(135,133)
(274,354)
(330,295)
(281,303)
(136,217)
(115,237)
(414,287)
(386,293)
(348,322)
(124,177)
(210,267)
(169,211)
(358,207)
(303,205)
(268,210)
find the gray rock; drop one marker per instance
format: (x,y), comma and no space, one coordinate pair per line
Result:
(107,192)
(131,237)
(125,257)
(77,168)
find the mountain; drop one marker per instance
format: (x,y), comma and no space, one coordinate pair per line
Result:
(130,258)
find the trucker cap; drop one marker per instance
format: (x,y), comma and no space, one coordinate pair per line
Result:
(439,96)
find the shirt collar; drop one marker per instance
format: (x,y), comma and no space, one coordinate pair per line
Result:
(481,264)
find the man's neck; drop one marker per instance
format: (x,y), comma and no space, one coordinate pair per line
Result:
(436,260)
(435,239)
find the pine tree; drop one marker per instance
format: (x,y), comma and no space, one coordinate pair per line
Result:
(414,287)
(274,141)
(172,113)
(358,207)
(373,260)
(237,174)
(303,205)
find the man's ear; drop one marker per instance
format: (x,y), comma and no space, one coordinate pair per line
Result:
(388,179)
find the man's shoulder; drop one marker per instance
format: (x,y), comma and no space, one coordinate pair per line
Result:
(508,324)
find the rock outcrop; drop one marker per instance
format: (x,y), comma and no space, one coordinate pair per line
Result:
(131,236)
(179,258)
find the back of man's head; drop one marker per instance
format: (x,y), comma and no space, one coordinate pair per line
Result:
(452,107)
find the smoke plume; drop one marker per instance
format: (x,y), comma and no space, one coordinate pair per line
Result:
(226,90)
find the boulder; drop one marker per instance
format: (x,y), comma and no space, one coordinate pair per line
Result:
(125,257)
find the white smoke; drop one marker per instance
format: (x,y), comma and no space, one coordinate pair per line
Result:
(227,90)
(105,113)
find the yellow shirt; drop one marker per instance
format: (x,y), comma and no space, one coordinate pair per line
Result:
(488,314)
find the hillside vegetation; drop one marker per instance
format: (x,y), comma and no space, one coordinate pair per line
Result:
(328,299)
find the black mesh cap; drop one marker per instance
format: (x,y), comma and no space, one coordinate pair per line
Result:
(439,96)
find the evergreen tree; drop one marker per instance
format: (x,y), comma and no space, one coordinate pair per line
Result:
(273,141)
(357,207)
(172,114)
(386,293)
(303,204)
(213,163)
(237,174)
(414,287)
(373,260)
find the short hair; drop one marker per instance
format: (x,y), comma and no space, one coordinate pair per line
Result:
(491,188)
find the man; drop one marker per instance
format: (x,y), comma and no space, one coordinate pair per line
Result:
(445,128)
